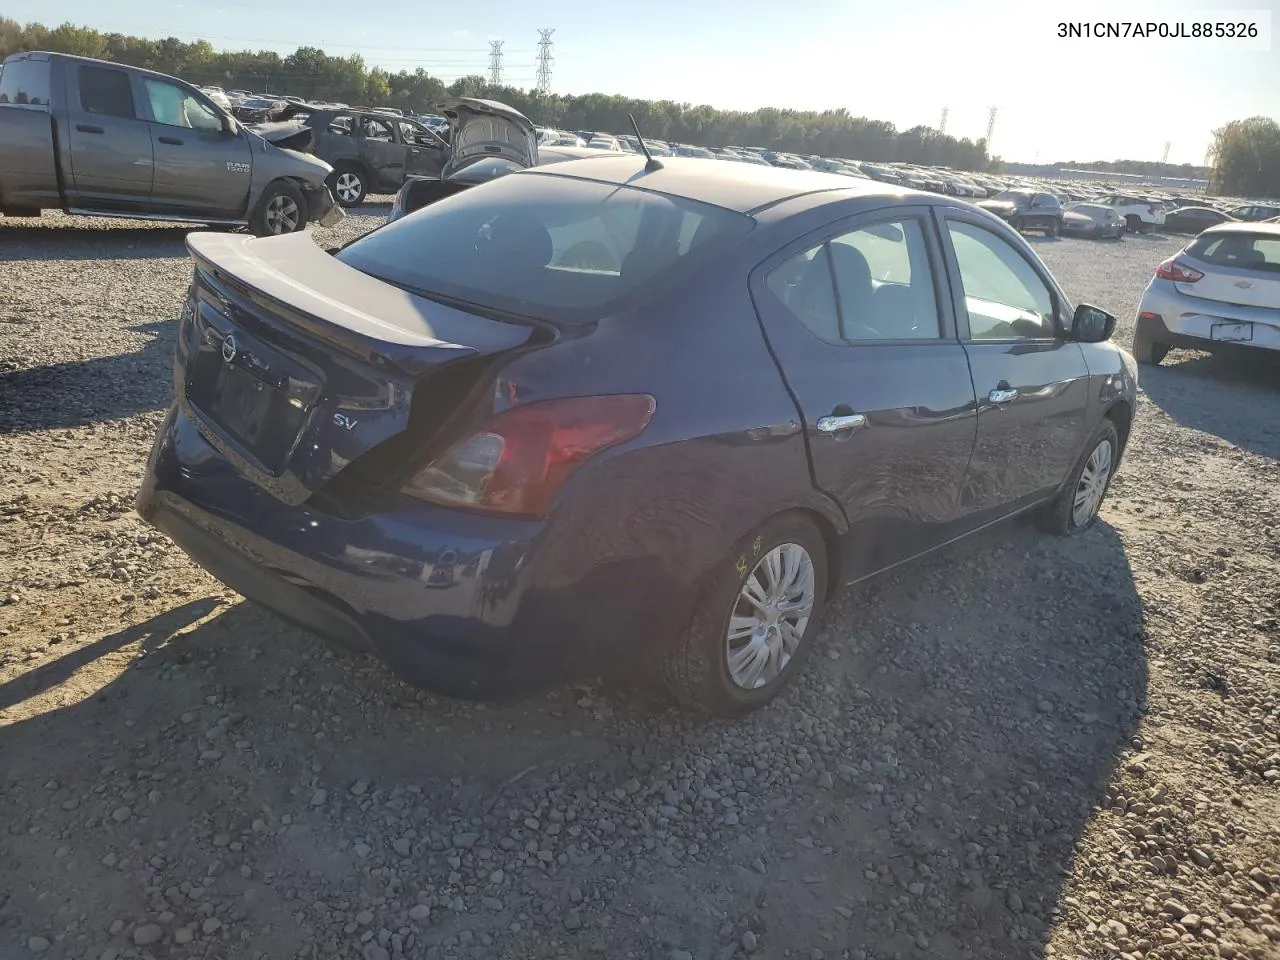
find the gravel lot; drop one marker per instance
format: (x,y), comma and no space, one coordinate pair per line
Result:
(1022,747)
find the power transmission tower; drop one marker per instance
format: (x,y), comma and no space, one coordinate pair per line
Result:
(495,63)
(544,59)
(1167,145)
(942,124)
(991,128)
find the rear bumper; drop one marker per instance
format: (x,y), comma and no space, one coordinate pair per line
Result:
(457,603)
(1189,321)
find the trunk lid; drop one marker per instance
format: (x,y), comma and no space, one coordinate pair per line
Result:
(1240,267)
(295,365)
(487,128)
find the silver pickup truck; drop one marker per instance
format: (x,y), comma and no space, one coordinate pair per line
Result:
(100,139)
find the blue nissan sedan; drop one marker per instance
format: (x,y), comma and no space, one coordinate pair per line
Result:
(605,413)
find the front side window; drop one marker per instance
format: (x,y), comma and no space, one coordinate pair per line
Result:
(106,92)
(547,247)
(1004,296)
(377,129)
(176,107)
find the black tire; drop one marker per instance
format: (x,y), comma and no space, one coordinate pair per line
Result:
(1052,230)
(1016,223)
(348,183)
(274,216)
(1057,517)
(1146,349)
(1133,223)
(696,669)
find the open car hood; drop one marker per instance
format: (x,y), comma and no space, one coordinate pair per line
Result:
(487,128)
(290,134)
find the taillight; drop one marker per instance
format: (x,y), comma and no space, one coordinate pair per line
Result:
(1171,269)
(518,461)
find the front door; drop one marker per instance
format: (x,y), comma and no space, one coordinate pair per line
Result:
(1032,384)
(382,152)
(427,153)
(200,168)
(111,164)
(868,348)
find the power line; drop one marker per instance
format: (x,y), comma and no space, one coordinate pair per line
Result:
(495,62)
(544,59)
(991,128)
(942,124)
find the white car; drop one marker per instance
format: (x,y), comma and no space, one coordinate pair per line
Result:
(1139,213)
(1221,290)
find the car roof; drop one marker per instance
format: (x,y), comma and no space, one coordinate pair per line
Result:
(1265,227)
(741,187)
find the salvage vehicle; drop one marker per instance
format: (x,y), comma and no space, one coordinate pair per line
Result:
(99,139)
(621,410)
(1092,220)
(1192,219)
(373,151)
(1140,214)
(1027,210)
(1220,293)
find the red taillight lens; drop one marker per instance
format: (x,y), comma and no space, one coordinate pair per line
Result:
(1171,269)
(517,463)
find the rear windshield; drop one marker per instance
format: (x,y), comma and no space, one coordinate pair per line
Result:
(1244,251)
(547,247)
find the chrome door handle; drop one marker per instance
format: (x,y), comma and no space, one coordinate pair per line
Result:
(851,421)
(1001,396)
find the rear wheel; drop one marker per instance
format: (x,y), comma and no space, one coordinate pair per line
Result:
(755,621)
(281,210)
(1053,229)
(1146,349)
(1016,223)
(1075,509)
(1133,223)
(348,184)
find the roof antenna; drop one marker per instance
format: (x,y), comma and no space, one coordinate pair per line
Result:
(651,163)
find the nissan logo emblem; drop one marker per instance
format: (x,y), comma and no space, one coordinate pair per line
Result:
(228,348)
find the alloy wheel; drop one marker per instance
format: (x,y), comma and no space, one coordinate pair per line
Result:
(769,616)
(282,215)
(348,187)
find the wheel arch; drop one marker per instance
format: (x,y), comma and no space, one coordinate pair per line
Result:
(1120,413)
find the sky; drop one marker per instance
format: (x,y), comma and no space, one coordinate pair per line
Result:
(1056,99)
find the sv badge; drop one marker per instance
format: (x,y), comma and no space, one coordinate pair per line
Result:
(345,422)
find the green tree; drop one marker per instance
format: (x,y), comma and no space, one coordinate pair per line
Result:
(1247,158)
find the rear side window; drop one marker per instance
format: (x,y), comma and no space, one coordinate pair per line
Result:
(107,92)
(546,247)
(1242,251)
(25,83)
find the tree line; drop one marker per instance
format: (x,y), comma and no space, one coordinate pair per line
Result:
(311,73)
(1246,158)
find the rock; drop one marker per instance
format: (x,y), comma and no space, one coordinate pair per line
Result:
(1191,921)
(1174,908)
(403,846)
(319,797)
(680,955)
(375,951)
(1013,901)
(38,944)
(183,935)
(420,913)
(362,850)
(573,920)
(465,841)
(825,781)
(147,934)
(121,814)
(1200,858)
(749,942)
(360,788)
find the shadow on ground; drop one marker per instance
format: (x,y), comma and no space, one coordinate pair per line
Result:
(42,242)
(1206,392)
(79,392)
(920,795)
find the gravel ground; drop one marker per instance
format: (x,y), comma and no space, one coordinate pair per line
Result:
(1021,747)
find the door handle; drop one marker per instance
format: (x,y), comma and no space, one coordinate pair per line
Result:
(89,128)
(1002,395)
(849,421)
(173,141)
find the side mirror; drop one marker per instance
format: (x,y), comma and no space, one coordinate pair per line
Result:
(230,126)
(1092,324)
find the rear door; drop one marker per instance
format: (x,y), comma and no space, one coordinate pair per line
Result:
(1032,384)
(383,154)
(865,338)
(110,144)
(200,169)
